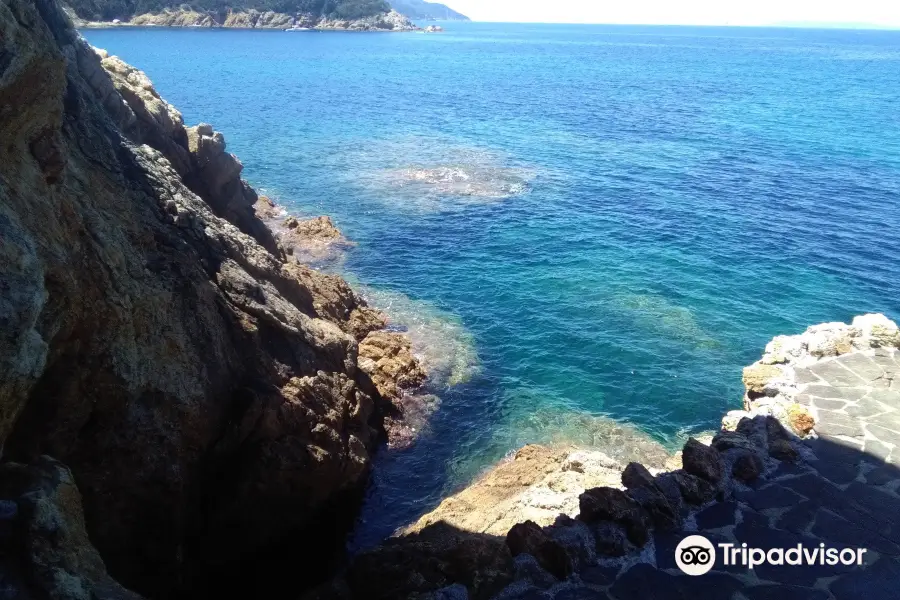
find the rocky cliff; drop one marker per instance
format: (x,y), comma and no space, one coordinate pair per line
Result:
(202,390)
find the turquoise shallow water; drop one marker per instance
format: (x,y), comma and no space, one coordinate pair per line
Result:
(576,223)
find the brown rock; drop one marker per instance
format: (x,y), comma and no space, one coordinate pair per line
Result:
(800,420)
(317,227)
(529,538)
(313,240)
(757,376)
(493,504)
(215,177)
(387,358)
(265,209)
(329,297)
(673,462)
(702,461)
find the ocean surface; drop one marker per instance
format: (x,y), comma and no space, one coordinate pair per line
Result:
(587,230)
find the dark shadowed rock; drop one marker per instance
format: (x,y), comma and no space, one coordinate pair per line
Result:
(670,488)
(783,450)
(755,430)
(656,505)
(747,466)
(575,537)
(775,430)
(636,475)
(610,539)
(55,557)
(727,440)
(527,568)
(694,490)
(611,504)
(701,461)
(530,538)
(433,558)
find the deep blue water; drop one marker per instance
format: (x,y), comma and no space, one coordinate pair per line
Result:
(645,207)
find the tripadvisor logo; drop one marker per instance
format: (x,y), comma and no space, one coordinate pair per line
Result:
(696,555)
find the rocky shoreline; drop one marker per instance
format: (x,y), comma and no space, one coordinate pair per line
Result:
(565,523)
(254,19)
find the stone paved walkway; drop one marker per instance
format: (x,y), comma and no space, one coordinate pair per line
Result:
(845,494)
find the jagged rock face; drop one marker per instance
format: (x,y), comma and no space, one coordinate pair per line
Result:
(199,387)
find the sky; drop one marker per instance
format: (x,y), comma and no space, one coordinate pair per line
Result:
(882,13)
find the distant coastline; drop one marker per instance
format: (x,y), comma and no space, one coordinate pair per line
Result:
(253,19)
(294,15)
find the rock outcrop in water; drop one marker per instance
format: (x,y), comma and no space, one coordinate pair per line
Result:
(204,393)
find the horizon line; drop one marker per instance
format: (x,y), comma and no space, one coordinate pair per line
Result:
(775,25)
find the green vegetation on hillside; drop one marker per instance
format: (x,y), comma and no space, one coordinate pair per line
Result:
(107,10)
(420,9)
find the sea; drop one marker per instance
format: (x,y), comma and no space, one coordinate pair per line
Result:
(587,230)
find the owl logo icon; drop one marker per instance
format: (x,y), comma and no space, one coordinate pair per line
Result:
(695,555)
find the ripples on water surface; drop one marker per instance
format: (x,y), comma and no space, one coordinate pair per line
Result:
(575,223)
